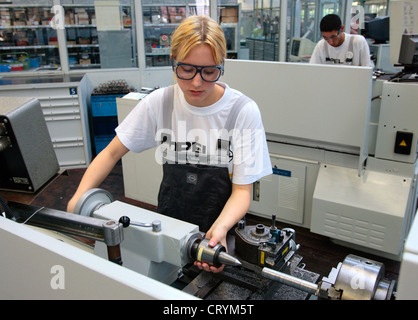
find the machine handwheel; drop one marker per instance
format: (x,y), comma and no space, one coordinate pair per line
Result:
(92,200)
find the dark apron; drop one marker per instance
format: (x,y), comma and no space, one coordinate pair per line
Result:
(195,193)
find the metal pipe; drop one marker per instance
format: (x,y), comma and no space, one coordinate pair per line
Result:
(108,231)
(289,280)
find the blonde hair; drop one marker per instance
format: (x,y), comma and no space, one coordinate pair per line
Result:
(196,30)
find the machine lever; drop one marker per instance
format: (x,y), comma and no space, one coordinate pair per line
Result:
(273,222)
(126,222)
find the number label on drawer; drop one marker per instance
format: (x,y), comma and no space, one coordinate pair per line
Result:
(73,91)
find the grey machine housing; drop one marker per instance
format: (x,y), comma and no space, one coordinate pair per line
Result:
(27,156)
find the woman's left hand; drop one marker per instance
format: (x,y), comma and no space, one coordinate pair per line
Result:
(214,240)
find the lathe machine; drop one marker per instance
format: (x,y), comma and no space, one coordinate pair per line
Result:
(151,256)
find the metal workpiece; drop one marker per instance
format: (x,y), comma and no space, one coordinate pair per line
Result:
(289,280)
(199,250)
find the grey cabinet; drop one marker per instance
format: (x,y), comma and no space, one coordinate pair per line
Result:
(64,104)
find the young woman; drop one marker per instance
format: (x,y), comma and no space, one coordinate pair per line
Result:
(211,141)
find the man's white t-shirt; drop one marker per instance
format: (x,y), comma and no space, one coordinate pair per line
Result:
(338,55)
(197,135)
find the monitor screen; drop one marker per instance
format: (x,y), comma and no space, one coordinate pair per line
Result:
(408,54)
(295,47)
(377,29)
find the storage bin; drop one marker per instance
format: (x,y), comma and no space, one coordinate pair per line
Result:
(104,105)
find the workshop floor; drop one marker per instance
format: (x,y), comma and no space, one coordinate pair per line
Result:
(318,252)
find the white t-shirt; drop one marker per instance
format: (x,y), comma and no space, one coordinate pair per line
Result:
(196,134)
(360,52)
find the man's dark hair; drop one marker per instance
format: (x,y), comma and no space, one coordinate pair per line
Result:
(330,23)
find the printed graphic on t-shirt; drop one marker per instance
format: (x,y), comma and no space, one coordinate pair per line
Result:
(213,151)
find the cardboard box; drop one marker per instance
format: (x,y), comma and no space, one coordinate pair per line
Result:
(229,19)
(85,61)
(83,22)
(176,18)
(84,40)
(19,13)
(229,12)
(82,18)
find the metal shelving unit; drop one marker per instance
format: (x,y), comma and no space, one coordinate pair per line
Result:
(29,40)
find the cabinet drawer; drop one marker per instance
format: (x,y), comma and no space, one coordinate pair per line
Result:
(64,127)
(70,154)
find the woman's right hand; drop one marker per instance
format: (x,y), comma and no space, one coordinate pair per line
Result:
(71,204)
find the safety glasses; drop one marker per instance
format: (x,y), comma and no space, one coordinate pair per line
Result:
(186,71)
(331,38)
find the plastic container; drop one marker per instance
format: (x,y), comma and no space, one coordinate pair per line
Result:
(34,62)
(5,68)
(104,105)
(17,66)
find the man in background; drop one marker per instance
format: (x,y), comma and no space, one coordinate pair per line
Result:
(338,47)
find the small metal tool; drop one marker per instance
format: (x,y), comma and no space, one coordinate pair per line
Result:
(126,221)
